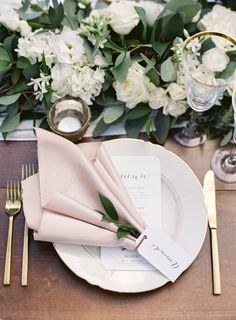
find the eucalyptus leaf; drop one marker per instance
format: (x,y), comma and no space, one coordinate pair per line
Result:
(12,109)
(113,113)
(153,75)
(229,70)
(31,72)
(160,47)
(4,55)
(108,206)
(19,88)
(172,27)
(123,68)
(10,123)
(174,5)
(143,18)
(100,128)
(7,100)
(162,125)
(139,111)
(167,70)
(23,63)
(15,76)
(189,11)
(29,15)
(4,64)
(120,58)
(226,138)
(133,127)
(56,15)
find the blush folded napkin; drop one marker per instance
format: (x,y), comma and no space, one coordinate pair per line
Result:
(61,200)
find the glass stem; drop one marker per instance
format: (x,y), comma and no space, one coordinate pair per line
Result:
(190,129)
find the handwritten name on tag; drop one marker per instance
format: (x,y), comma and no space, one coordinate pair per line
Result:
(163,253)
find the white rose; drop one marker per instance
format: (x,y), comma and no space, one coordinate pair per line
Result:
(175,108)
(152,10)
(215,59)
(25,28)
(123,16)
(176,91)
(135,87)
(158,97)
(10,19)
(219,19)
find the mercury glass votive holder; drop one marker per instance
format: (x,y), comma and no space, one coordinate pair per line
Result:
(70,118)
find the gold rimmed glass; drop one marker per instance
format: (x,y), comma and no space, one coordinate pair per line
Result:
(207,64)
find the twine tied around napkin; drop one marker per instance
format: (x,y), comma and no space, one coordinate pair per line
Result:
(61,202)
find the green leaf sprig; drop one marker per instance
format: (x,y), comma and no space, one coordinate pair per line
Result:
(111,216)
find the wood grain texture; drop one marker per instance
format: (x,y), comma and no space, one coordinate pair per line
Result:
(55,293)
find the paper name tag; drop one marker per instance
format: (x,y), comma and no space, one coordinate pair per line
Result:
(141,176)
(163,253)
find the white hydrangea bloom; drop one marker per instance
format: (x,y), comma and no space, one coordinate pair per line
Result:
(68,46)
(83,82)
(35,45)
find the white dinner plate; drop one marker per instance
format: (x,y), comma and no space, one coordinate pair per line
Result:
(183,218)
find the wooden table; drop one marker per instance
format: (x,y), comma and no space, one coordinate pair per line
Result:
(55,293)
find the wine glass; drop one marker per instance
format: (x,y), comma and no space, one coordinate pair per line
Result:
(223,162)
(206,58)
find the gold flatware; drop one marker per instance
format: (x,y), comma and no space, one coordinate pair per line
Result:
(209,193)
(27,170)
(12,207)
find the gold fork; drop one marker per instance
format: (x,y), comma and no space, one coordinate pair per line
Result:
(27,170)
(12,207)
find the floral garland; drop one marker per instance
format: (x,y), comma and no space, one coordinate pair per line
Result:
(122,58)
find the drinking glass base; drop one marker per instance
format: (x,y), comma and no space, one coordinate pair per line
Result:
(190,142)
(222,167)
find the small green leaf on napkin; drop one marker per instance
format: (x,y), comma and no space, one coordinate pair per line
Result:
(108,206)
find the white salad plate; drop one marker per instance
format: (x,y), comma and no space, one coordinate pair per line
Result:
(183,219)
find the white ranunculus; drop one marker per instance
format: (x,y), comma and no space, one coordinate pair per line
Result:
(135,87)
(152,10)
(175,108)
(176,91)
(25,28)
(68,46)
(215,59)
(219,19)
(158,97)
(10,19)
(123,16)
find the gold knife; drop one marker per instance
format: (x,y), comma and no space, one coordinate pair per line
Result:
(210,200)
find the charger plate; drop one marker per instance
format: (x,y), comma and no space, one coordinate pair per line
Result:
(183,219)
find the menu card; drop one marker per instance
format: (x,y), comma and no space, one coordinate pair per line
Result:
(141,176)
